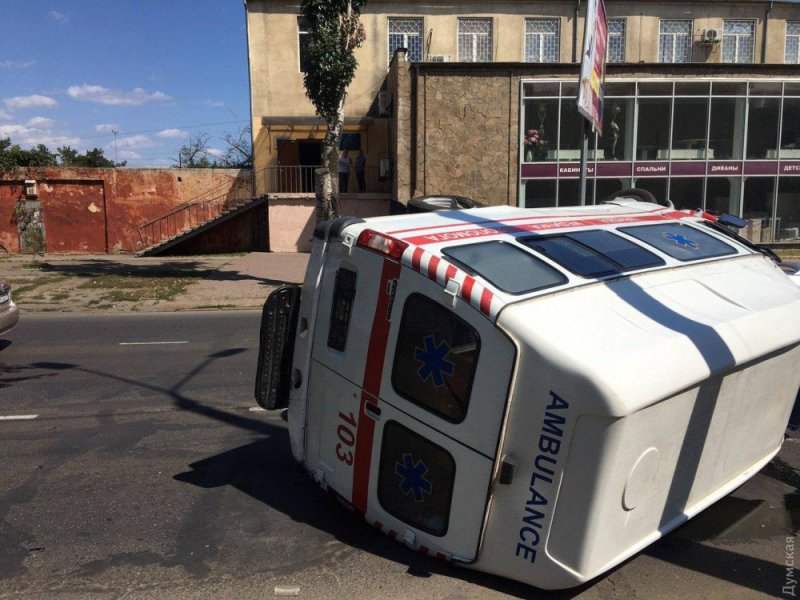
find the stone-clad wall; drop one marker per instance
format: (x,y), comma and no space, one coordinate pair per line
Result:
(467,130)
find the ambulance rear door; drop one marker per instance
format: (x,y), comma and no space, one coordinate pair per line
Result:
(427,446)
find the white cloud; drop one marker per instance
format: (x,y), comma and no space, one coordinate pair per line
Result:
(128,155)
(15,64)
(106,128)
(40,123)
(212,103)
(58,17)
(31,136)
(35,101)
(215,153)
(103,95)
(135,141)
(172,133)
(5,115)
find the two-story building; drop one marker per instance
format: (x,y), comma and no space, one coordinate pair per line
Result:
(702,104)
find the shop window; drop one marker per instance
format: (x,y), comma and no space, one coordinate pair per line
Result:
(415,479)
(757,202)
(539,193)
(792,52)
(542,40)
(616,40)
(723,194)
(344,293)
(675,41)
(689,129)
(655,185)
(435,358)
(406,33)
(653,129)
(738,41)
(679,241)
(788,210)
(616,143)
(726,128)
(540,133)
(505,266)
(475,40)
(790,129)
(686,192)
(762,128)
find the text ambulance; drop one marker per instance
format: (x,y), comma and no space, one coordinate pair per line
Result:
(537,394)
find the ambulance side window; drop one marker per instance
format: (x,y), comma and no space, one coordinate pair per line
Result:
(415,479)
(344,293)
(435,358)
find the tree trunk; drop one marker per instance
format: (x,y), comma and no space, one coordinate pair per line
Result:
(327,188)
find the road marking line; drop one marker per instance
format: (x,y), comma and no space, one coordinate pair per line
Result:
(149,343)
(17,417)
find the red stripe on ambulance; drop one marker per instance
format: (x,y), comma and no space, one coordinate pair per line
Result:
(373,373)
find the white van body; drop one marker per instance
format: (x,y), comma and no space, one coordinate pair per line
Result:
(462,382)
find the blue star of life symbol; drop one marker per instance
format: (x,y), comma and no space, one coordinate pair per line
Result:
(434,361)
(682,241)
(413,477)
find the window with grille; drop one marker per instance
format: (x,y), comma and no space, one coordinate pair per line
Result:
(675,41)
(738,41)
(475,40)
(792,54)
(541,40)
(616,40)
(406,33)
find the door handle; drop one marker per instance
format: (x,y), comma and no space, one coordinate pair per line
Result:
(373,411)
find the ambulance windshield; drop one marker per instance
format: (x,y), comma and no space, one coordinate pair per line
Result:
(506,266)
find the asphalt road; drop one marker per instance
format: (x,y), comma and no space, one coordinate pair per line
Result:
(145,474)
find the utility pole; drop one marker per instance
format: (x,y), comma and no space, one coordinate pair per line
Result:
(115,132)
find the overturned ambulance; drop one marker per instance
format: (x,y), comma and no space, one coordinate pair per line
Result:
(537,394)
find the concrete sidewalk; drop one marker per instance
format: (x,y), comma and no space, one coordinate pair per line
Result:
(61,282)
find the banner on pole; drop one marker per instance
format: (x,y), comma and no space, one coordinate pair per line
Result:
(593,65)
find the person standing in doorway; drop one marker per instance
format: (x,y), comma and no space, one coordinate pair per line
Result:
(361,166)
(344,171)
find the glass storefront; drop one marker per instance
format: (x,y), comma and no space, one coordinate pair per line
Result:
(719,145)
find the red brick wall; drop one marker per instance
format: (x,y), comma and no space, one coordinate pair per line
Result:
(100,210)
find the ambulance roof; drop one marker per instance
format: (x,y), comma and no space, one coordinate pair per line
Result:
(495,256)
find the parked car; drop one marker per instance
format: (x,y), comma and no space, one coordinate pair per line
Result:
(9,313)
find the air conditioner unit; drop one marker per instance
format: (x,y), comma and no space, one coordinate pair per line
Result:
(30,188)
(438,58)
(383,102)
(712,36)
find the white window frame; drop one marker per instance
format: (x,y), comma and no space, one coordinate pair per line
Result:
(675,37)
(540,39)
(737,38)
(406,36)
(475,40)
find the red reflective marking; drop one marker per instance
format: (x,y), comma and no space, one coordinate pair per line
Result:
(450,273)
(502,228)
(378,525)
(433,265)
(373,372)
(441,556)
(466,290)
(424,549)
(455,223)
(486,301)
(416,259)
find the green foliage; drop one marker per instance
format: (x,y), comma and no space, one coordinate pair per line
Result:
(13,156)
(334,33)
(68,157)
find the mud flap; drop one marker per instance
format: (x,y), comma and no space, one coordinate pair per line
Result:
(276,347)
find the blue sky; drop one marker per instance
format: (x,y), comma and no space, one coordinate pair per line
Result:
(156,71)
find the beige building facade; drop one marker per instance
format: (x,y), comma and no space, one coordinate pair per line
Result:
(452,112)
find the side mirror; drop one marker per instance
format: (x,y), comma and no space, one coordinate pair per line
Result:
(731,221)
